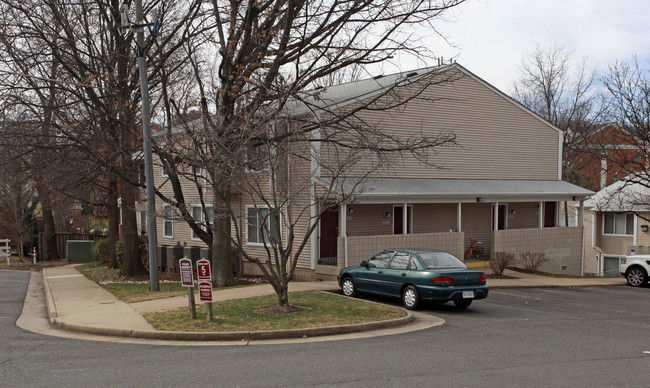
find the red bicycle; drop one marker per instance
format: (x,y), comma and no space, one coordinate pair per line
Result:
(474,250)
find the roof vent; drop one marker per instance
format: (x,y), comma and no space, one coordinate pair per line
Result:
(412,74)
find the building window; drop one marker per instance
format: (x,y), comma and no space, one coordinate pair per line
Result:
(198,215)
(168,221)
(258,159)
(263,225)
(143,221)
(620,224)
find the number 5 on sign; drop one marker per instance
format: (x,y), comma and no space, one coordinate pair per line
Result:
(203,270)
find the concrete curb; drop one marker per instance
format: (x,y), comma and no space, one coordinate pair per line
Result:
(243,336)
(51,306)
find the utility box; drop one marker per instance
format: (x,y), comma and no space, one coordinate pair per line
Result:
(79,251)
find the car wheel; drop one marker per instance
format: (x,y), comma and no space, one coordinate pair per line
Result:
(410,298)
(636,277)
(348,288)
(462,303)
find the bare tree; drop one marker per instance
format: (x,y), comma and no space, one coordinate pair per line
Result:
(17,202)
(72,69)
(627,86)
(252,75)
(563,94)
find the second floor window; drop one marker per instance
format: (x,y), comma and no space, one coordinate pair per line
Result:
(168,221)
(263,225)
(199,217)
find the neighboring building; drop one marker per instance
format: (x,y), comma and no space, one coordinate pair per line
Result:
(616,224)
(610,154)
(501,185)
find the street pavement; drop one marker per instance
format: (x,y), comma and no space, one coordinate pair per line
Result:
(77,304)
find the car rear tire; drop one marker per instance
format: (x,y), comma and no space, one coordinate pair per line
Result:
(410,298)
(462,303)
(348,287)
(636,277)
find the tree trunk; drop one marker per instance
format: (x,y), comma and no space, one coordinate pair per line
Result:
(132,265)
(49,233)
(113,221)
(283,295)
(222,275)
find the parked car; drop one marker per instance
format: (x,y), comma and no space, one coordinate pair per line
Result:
(635,268)
(415,275)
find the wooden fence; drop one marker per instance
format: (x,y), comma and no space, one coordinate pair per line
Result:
(61,241)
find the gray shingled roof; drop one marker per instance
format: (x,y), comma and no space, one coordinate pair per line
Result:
(337,96)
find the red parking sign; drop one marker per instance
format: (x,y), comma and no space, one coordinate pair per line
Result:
(205,291)
(187,277)
(203,270)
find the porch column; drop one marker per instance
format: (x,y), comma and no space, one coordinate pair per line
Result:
(541,215)
(496,216)
(581,213)
(459,215)
(343,231)
(405,218)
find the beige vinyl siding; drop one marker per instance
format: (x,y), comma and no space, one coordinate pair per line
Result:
(526,215)
(369,220)
(496,138)
(435,218)
(476,223)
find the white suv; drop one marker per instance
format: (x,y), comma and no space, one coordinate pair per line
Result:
(635,269)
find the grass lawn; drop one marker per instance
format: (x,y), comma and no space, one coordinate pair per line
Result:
(322,309)
(128,290)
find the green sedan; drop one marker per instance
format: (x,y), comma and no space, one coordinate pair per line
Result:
(415,275)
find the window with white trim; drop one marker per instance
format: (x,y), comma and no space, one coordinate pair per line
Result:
(143,221)
(168,221)
(199,217)
(263,225)
(258,159)
(618,223)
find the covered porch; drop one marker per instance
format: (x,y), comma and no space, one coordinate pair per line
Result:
(504,215)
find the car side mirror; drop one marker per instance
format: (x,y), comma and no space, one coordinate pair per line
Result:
(364,263)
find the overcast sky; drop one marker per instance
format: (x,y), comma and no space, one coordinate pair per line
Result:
(493,35)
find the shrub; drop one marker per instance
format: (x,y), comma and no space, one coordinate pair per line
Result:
(501,261)
(100,250)
(532,260)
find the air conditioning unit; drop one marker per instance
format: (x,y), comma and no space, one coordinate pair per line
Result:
(79,251)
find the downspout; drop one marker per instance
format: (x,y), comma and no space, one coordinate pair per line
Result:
(581,215)
(314,150)
(343,232)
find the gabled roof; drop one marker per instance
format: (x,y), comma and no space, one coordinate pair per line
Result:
(631,194)
(341,95)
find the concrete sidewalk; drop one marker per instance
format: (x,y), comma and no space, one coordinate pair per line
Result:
(76,303)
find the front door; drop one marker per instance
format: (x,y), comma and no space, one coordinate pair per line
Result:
(549,214)
(329,232)
(398,219)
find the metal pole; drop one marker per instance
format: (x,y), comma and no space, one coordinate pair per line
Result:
(146,149)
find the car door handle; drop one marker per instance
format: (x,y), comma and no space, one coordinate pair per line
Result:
(380,272)
(404,274)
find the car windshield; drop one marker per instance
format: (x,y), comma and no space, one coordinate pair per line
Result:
(433,260)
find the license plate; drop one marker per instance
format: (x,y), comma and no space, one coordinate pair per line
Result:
(468,294)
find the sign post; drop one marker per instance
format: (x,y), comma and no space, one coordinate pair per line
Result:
(187,280)
(204,276)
